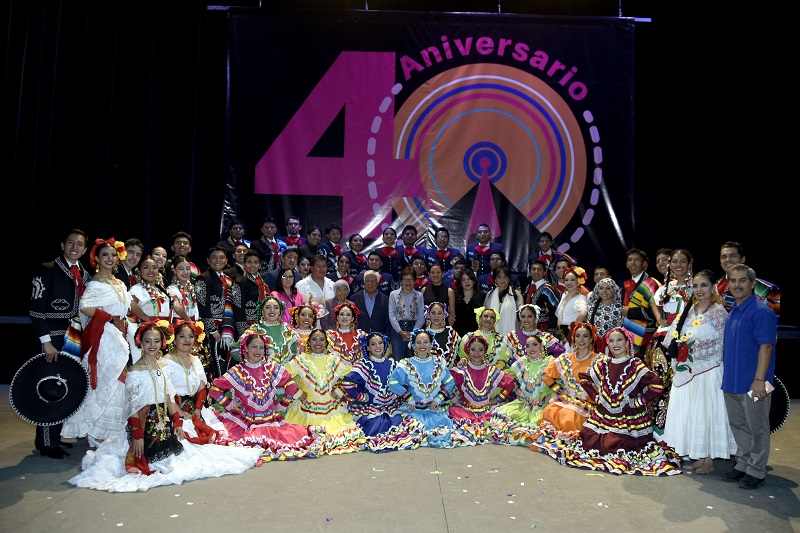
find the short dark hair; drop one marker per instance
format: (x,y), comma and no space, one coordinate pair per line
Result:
(442,229)
(637,251)
(332,226)
(294,249)
(410,226)
(182,234)
(268,219)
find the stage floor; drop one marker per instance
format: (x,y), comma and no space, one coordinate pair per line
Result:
(485,488)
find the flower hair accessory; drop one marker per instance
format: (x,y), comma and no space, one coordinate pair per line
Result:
(166,329)
(364,339)
(295,312)
(328,340)
(197,328)
(536,309)
(262,303)
(628,335)
(269,345)
(479,311)
(414,335)
(428,310)
(576,326)
(474,337)
(352,308)
(579,272)
(113,243)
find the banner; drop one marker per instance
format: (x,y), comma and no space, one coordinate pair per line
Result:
(376,119)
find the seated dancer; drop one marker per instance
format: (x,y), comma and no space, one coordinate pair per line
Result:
(376,408)
(479,387)
(318,370)
(516,340)
(487,322)
(261,390)
(425,383)
(618,435)
(189,378)
(570,405)
(158,452)
(517,422)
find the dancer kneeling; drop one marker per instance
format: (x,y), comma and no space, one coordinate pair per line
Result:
(158,453)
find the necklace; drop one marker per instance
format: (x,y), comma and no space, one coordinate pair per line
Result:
(704,311)
(161,408)
(584,358)
(186,370)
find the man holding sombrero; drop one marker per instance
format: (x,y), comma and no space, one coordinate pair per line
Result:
(57,288)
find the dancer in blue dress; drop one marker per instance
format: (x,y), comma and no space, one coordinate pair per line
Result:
(376,408)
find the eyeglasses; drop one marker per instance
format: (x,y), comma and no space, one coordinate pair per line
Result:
(287,277)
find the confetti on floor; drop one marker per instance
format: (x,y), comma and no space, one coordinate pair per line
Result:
(522,484)
(376,469)
(120,524)
(709,507)
(436,472)
(174,516)
(510,501)
(329,519)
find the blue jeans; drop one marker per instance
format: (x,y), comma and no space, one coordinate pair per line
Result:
(400,348)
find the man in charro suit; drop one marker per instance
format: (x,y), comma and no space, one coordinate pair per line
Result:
(55,299)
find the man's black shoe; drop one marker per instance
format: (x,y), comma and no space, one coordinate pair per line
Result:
(54,452)
(732,475)
(751,482)
(65,444)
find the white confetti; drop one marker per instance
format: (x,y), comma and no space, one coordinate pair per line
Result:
(469,466)
(523,483)
(709,507)
(174,516)
(177,495)
(465,490)
(509,501)
(23,477)
(540,479)
(478,502)
(513,517)
(600,504)
(49,497)
(189,503)
(59,512)
(119,525)
(459,477)
(772,497)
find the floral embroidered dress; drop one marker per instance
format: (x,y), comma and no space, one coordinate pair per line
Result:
(253,414)
(697,420)
(517,422)
(377,409)
(102,413)
(319,376)
(167,461)
(478,389)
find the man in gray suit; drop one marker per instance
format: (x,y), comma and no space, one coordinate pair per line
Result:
(373,305)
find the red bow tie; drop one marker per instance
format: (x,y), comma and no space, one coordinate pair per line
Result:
(443,255)
(483,250)
(411,252)
(546,258)
(294,241)
(337,250)
(421,282)
(361,258)
(490,280)
(388,251)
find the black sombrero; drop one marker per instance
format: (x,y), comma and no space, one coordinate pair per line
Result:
(45,393)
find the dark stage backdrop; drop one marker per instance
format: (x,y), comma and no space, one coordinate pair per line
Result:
(123,119)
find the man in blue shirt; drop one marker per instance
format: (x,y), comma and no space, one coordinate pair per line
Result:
(749,372)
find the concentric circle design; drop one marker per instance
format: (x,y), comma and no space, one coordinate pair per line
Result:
(499,120)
